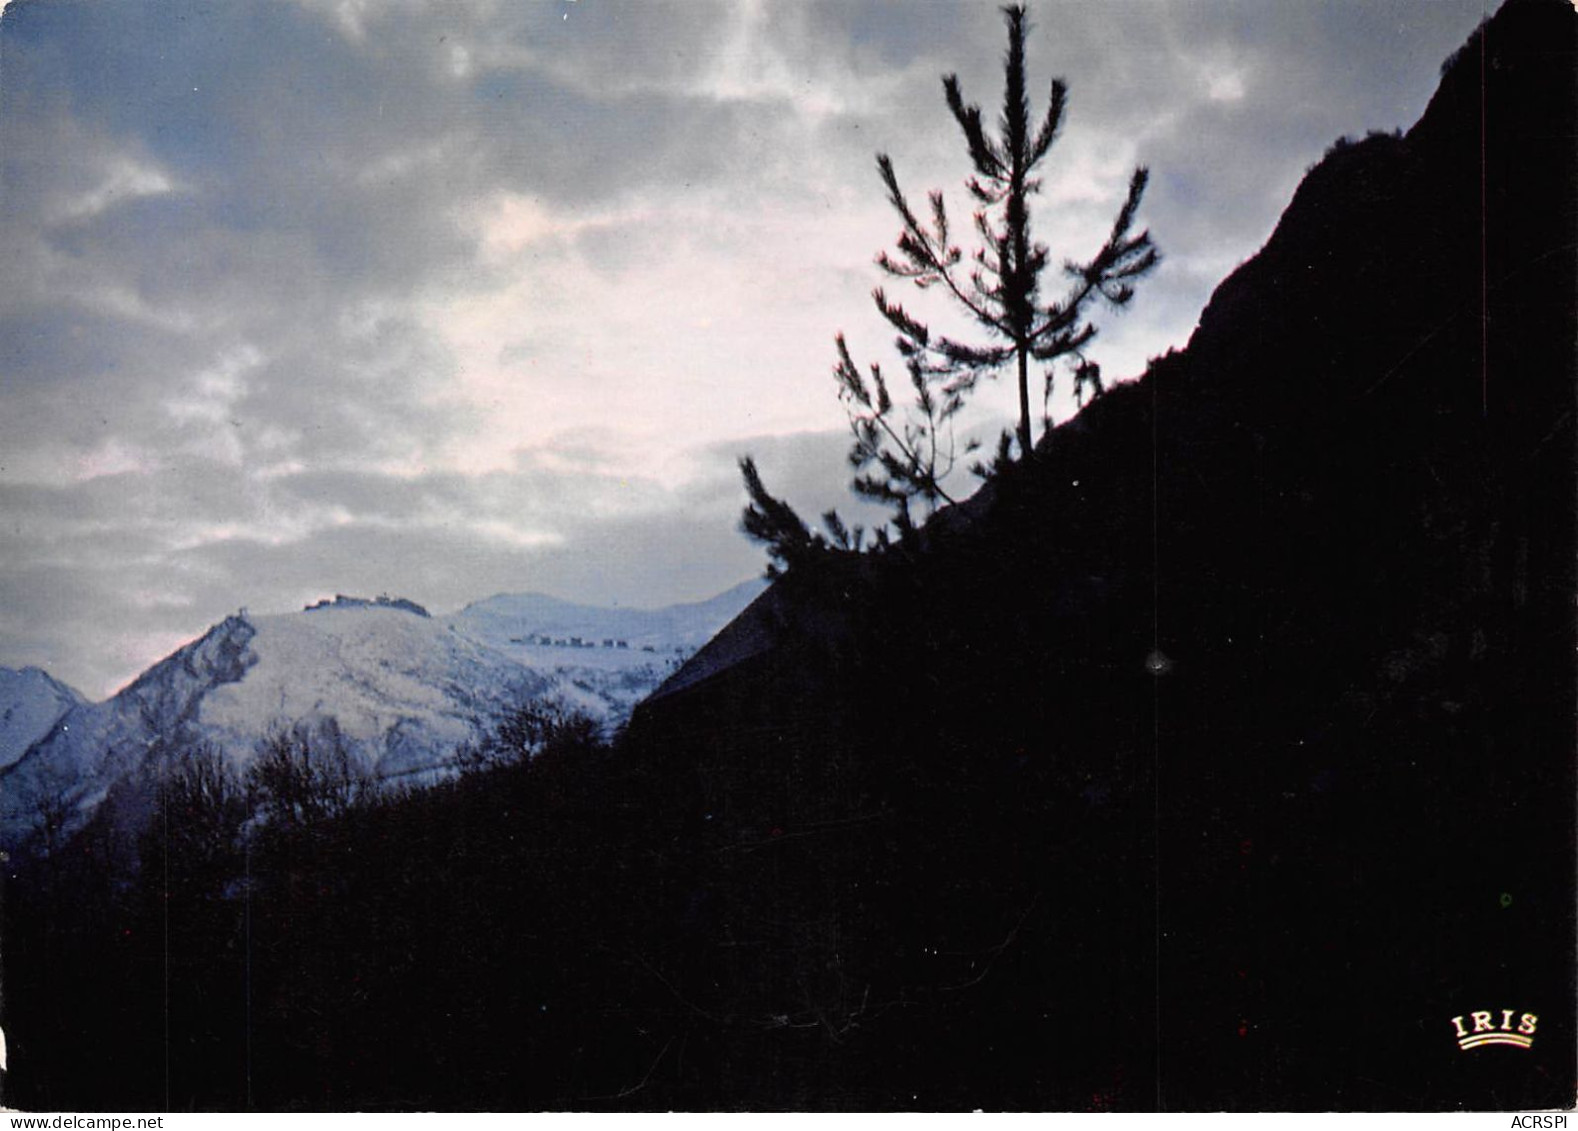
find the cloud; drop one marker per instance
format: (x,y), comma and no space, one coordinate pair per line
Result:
(452,299)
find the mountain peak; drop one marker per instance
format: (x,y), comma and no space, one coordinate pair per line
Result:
(32,702)
(403,689)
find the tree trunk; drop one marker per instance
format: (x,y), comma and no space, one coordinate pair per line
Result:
(1024,402)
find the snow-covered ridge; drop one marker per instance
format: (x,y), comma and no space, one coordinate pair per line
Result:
(404,689)
(31,703)
(64,775)
(525,618)
(599,660)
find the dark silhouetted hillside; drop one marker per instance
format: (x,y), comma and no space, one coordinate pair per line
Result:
(1224,754)
(1216,757)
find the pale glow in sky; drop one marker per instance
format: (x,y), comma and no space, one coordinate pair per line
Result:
(449,299)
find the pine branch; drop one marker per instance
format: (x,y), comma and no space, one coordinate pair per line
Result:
(912,460)
(929,260)
(1047,134)
(775,523)
(986,157)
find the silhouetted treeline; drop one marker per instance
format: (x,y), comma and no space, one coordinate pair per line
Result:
(346,948)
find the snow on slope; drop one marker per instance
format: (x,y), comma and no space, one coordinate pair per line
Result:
(31,703)
(404,690)
(601,660)
(68,772)
(511,618)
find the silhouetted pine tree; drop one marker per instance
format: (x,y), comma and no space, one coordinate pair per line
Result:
(900,457)
(1001,288)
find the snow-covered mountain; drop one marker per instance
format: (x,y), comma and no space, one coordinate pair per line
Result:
(514,618)
(404,689)
(31,703)
(601,660)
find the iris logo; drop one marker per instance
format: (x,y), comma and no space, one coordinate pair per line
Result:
(1486,1031)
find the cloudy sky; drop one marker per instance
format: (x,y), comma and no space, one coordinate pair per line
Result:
(444,299)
